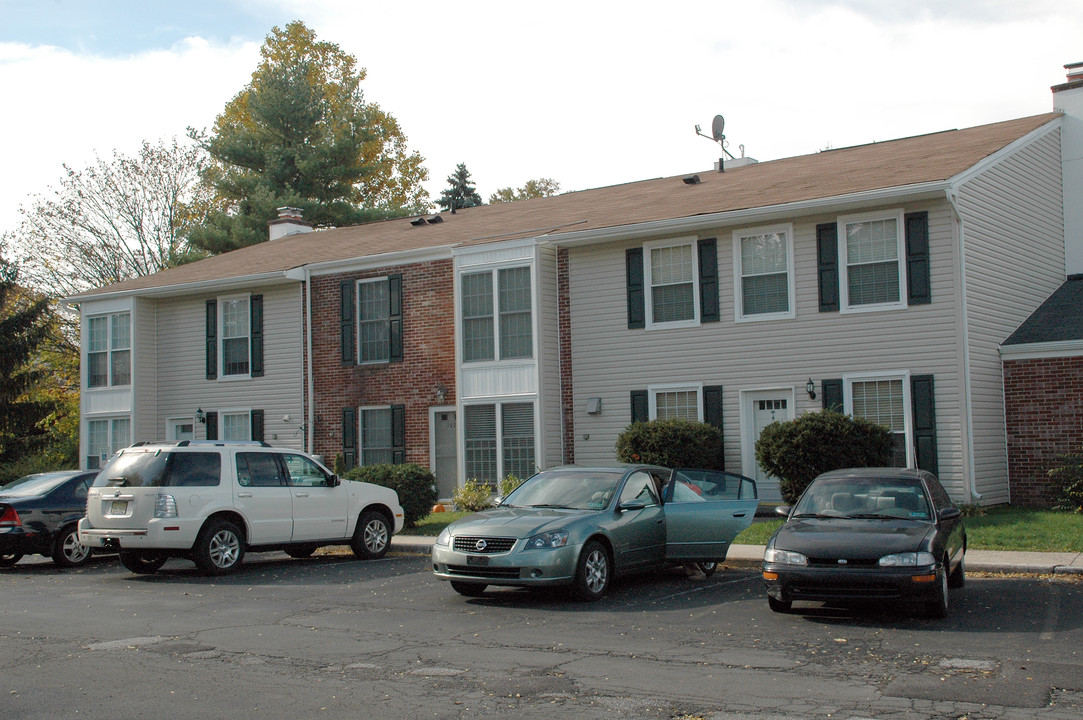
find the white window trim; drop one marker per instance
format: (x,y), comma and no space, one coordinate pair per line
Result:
(221,339)
(648,296)
(357,320)
(109,350)
(109,420)
(499,420)
(652,397)
(494,269)
(738,274)
(844,269)
(222,412)
(848,381)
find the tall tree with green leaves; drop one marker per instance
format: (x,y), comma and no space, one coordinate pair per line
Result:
(460,193)
(24,326)
(541,187)
(302,135)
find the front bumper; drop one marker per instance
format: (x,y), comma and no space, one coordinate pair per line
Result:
(160,534)
(790,583)
(517,567)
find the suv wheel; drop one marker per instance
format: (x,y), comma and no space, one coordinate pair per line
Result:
(68,551)
(141,563)
(372,536)
(219,548)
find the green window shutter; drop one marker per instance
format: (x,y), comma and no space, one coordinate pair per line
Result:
(255,307)
(347,323)
(212,426)
(212,339)
(831,393)
(257,425)
(633,262)
(641,409)
(924,407)
(918,289)
(349,437)
(398,434)
(712,409)
(827,261)
(395,295)
(708,281)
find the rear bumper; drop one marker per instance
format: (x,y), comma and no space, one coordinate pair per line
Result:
(17,541)
(160,534)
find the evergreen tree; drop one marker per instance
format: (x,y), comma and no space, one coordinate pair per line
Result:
(301,135)
(460,193)
(24,326)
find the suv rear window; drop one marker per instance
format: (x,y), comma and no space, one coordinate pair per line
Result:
(161,469)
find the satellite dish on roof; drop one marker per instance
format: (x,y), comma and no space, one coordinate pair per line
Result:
(717,127)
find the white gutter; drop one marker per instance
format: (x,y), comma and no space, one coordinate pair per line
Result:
(710,221)
(968,408)
(188,287)
(1042,350)
(395,257)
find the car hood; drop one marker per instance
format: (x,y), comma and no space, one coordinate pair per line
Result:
(516,522)
(857,539)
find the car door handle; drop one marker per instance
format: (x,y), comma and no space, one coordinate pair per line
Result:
(739,514)
(244,494)
(301,494)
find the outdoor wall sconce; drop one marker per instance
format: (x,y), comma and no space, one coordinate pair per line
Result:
(440,392)
(201,417)
(810,388)
(594,406)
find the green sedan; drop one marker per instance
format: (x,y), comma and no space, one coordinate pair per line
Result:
(583,526)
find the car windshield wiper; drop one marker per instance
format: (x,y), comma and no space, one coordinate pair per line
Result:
(558,507)
(816,515)
(872,516)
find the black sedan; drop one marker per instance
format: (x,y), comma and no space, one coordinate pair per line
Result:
(868,535)
(40,514)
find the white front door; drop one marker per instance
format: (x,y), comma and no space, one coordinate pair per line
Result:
(445,463)
(178,429)
(761,409)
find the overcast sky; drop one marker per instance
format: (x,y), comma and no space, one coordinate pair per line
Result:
(587,93)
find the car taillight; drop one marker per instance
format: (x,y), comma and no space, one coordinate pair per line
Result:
(10,518)
(165,506)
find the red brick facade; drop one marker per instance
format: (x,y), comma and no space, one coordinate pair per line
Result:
(564,329)
(1043,403)
(428,319)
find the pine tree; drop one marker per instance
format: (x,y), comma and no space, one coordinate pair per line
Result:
(460,193)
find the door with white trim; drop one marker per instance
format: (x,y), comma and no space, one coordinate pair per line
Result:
(761,409)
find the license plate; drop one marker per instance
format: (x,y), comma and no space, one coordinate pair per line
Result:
(118,507)
(477,560)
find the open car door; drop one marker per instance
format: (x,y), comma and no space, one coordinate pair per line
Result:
(705,510)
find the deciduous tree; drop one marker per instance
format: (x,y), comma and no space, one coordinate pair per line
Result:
(542,187)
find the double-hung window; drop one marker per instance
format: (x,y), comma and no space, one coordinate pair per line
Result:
(377,444)
(497,315)
(872,258)
(670,273)
(109,354)
(883,400)
(105,437)
(236,425)
(763,273)
(499,441)
(676,402)
(236,347)
(374,320)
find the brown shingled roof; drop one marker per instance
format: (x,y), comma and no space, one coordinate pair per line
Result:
(845,171)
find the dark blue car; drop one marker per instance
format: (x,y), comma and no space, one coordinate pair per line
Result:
(39,514)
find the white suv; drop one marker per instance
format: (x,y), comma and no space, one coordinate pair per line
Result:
(213,501)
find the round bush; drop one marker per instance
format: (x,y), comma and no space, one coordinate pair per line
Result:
(796,451)
(415,484)
(672,443)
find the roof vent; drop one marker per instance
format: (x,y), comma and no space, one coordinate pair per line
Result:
(691,180)
(435,219)
(418,222)
(422,222)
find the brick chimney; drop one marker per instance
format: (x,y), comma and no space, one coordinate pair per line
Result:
(1068,99)
(288,222)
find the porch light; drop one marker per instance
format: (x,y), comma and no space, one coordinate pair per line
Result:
(201,417)
(810,388)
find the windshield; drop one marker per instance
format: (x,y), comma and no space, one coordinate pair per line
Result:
(158,469)
(39,484)
(865,498)
(571,489)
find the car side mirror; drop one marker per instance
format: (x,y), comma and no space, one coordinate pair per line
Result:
(949,513)
(783,510)
(631,505)
(498,500)
(334,481)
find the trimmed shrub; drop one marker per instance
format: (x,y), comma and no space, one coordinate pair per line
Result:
(672,443)
(415,484)
(796,451)
(1066,482)
(473,496)
(509,483)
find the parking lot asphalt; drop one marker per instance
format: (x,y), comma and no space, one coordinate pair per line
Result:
(991,561)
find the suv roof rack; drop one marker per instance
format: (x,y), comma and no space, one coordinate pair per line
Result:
(187,443)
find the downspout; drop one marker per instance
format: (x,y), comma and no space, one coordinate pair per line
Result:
(310,409)
(968,410)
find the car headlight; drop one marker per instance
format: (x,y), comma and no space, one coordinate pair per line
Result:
(444,538)
(910,559)
(784,557)
(551,539)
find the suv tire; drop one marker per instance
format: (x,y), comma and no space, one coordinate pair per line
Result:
(372,537)
(141,563)
(219,548)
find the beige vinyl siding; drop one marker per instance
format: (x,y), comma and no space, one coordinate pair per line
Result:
(144,372)
(182,383)
(609,360)
(548,352)
(1014,259)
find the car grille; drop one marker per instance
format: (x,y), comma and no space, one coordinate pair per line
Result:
(869,591)
(842,562)
(484,571)
(488,545)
